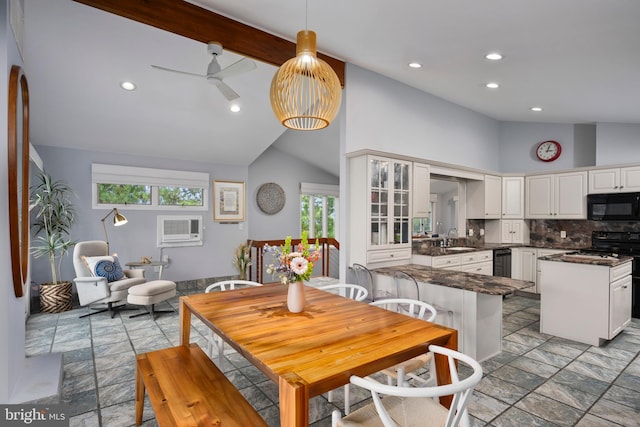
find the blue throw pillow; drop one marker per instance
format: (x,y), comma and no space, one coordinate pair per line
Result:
(110,270)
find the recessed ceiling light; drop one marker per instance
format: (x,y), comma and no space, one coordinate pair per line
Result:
(494,56)
(128,86)
(492,85)
(415,65)
(536,109)
(234,108)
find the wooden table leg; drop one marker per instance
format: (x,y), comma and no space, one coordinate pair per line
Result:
(139,391)
(294,401)
(442,367)
(185,323)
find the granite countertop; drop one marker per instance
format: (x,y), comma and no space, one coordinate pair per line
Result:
(479,283)
(438,251)
(607,261)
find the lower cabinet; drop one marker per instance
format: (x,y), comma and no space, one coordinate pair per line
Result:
(525,264)
(470,262)
(583,302)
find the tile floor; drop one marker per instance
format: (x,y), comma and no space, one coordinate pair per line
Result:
(538,380)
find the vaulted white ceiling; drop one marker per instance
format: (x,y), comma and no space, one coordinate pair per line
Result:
(577,59)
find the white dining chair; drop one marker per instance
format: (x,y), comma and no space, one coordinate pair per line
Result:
(416,405)
(354,292)
(213,339)
(407,369)
(348,290)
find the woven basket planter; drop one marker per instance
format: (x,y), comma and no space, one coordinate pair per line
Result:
(55,298)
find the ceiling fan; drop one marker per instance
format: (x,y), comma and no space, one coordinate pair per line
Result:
(216,74)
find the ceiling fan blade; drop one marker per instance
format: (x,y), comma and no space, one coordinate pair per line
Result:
(238,67)
(178,71)
(228,93)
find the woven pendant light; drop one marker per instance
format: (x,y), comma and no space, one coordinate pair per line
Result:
(305,91)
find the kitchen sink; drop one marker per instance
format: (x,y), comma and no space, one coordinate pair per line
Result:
(460,248)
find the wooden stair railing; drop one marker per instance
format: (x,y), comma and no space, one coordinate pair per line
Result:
(257,254)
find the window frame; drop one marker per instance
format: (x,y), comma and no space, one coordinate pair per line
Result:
(155,178)
(323,191)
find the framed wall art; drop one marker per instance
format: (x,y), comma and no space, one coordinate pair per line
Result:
(228,201)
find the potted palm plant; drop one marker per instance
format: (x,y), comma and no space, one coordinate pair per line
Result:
(51,201)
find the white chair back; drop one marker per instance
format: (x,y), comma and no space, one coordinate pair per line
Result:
(411,307)
(89,249)
(213,339)
(229,285)
(354,292)
(460,389)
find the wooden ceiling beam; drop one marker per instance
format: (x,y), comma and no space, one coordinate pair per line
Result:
(191,21)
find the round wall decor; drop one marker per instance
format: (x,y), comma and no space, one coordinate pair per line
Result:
(270,198)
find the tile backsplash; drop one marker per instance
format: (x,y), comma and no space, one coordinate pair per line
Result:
(545,232)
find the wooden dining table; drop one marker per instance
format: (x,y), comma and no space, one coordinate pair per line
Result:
(317,350)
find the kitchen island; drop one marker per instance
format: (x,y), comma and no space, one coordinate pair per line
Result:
(475,301)
(585,297)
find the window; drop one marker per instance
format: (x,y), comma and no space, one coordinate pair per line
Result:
(319,209)
(144,188)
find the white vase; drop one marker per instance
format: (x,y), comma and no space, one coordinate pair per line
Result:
(295,297)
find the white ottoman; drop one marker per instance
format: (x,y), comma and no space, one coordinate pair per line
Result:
(151,293)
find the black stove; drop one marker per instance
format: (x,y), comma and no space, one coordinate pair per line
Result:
(620,243)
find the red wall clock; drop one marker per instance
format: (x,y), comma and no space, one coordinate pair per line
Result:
(548,151)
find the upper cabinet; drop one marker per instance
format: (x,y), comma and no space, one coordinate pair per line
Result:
(614,180)
(557,196)
(421,205)
(380,210)
(512,197)
(484,198)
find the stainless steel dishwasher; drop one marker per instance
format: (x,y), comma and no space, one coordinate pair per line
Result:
(502,262)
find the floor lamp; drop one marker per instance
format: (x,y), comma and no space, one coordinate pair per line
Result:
(118,220)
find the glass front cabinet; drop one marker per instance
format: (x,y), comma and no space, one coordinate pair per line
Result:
(385,184)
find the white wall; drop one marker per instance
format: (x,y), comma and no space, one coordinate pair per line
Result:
(12,314)
(584,137)
(383,114)
(617,143)
(275,165)
(519,140)
(138,236)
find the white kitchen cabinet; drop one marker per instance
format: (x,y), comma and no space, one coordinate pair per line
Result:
(512,197)
(614,180)
(484,198)
(584,302)
(620,297)
(524,265)
(380,210)
(421,190)
(557,196)
(480,262)
(507,231)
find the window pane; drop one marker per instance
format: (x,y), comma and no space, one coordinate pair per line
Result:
(304,213)
(124,194)
(180,196)
(331,220)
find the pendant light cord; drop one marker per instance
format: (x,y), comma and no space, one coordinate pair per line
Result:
(306,15)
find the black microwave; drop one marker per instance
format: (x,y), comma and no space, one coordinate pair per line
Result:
(613,206)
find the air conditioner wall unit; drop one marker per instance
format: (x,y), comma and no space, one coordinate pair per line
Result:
(179,230)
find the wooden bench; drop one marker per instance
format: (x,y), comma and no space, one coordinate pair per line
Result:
(187,389)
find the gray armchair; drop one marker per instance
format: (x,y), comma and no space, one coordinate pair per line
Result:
(97,290)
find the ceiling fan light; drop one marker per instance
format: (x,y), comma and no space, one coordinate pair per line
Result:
(305,91)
